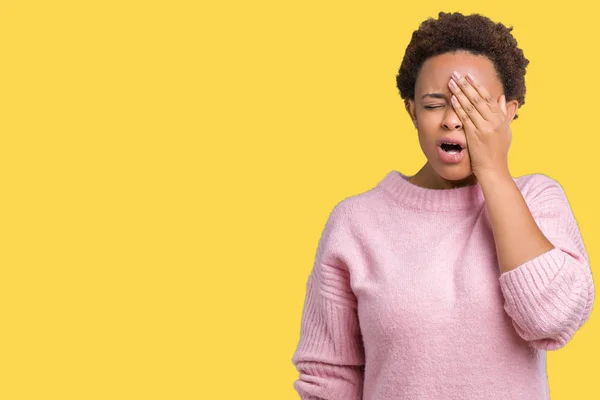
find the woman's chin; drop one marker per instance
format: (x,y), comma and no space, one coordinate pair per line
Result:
(454,172)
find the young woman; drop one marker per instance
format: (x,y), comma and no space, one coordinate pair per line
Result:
(451,283)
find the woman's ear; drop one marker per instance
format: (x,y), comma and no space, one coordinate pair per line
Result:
(410,108)
(511,108)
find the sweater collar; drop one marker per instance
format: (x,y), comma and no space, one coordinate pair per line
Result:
(396,185)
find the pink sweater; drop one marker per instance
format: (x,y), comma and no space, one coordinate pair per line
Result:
(405,299)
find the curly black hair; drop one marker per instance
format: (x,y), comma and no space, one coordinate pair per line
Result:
(474,33)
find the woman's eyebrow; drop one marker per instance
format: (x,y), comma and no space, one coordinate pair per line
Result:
(434,95)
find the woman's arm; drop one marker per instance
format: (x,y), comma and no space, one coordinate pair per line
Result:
(517,236)
(545,274)
(330,354)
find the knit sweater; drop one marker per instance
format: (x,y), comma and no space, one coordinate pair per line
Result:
(405,299)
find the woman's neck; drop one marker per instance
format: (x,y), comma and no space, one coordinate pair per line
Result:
(429,179)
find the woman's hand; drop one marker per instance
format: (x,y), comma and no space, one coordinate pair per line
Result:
(485,122)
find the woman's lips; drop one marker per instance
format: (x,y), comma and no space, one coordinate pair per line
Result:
(452,140)
(451,158)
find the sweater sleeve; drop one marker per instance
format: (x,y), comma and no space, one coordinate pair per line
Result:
(551,296)
(330,355)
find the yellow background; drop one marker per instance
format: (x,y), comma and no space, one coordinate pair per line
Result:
(167,169)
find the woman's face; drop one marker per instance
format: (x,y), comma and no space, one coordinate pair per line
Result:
(432,113)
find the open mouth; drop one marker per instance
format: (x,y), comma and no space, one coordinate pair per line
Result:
(451,148)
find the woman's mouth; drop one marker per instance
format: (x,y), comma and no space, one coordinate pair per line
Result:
(451,153)
(451,148)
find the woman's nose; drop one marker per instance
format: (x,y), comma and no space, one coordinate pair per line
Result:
(451,120)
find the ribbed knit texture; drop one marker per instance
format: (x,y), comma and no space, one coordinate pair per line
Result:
(405,299)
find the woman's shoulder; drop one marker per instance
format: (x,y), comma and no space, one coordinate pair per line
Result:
(536,179)
(538,186)
(357,204)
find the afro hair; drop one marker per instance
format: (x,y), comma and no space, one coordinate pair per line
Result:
(475,34)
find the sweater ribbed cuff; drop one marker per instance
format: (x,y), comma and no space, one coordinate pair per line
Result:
(542,269)
(546,298)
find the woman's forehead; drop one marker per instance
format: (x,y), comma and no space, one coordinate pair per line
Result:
(437,71)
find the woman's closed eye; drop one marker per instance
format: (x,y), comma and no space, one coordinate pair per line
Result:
(430,106)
